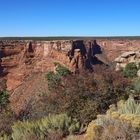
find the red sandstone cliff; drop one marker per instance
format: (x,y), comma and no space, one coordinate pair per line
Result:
(20,59)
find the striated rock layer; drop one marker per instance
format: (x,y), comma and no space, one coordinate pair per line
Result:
(20,58)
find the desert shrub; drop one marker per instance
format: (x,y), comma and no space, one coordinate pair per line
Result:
(93,131)
(130,70)
(61,123)
(109,129)
(121,121)
(84,96)
(3,98)
(2,84)
(53,79)
(26,130)
(127,111)
(111,82)
(61,70)
(136,85)
(45,128)
(7,118)
(71,99)
(129,107)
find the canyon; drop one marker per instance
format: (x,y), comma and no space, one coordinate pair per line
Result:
(23,61)
(20,58)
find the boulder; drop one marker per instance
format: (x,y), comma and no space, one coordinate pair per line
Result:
(117,60)
(127,57)
(138,54)
(120,60)
(127,54)
(118,67)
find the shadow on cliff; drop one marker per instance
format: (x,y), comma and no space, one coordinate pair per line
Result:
(92,54)
(3,72)
(30,48)
(95,49)
(79,44)
(2,54)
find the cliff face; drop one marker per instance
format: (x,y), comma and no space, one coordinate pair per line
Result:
(115,47)
(21,58)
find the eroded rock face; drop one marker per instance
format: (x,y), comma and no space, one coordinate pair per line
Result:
(84,56)
(127,57)
(21,58)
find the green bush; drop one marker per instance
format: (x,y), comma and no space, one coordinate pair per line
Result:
(53,80)
(61,123)
(130,70)
(4,98)
(45,128)
(61,70)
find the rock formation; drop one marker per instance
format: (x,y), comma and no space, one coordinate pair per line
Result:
(21,58)
(83,56)
(127,57)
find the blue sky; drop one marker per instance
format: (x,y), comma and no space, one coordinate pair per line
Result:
(69,17)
